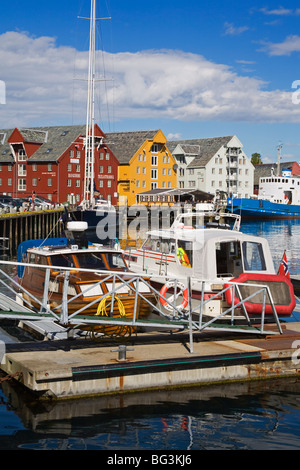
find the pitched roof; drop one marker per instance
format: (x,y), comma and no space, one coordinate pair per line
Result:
(59,138)
(125,144)
(191,150)
(6,155)
(208,148)
(56,139)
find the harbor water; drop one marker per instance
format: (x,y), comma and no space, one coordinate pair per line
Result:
(257,415)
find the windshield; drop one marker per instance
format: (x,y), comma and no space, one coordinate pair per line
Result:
(116,261)
(160,245)
(90,261)
(62,260)
(97,261)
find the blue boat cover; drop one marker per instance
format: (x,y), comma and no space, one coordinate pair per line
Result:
(24,246)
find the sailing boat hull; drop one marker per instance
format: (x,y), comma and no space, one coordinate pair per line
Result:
(102,226)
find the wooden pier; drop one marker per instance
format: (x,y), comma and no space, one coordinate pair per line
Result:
(21,226)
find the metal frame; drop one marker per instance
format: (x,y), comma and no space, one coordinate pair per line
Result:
(192,318)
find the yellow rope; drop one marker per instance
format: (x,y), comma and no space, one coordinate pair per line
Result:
(101,310)
(112,330)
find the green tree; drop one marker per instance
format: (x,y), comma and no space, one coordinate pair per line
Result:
(256,159)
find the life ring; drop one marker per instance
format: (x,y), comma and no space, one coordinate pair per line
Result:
(180,289)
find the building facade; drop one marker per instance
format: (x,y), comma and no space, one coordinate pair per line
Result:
(50,162)
(145,163)
(213,165)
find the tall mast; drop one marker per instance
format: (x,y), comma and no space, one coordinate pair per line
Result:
(90,114)
(279,158)
(88,197)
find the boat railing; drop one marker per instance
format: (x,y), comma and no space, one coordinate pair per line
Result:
(216,215)
(191,317)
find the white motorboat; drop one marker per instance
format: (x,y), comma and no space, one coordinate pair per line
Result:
(203,248)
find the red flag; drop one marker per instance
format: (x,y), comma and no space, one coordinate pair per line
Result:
(283,268)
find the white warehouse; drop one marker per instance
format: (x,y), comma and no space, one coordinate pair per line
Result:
(213,165)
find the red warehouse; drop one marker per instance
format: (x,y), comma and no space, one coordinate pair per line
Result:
(50,162)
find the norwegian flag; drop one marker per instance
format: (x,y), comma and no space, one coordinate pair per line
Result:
(283,268)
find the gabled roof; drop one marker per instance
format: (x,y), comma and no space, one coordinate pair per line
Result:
(125,144)
(56,139)
(34,135)
(6,155)
(189,150)
(208,148)
(59,138)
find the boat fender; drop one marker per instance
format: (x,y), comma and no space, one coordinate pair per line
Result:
(181,290)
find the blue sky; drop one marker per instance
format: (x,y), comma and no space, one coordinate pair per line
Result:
(193,69)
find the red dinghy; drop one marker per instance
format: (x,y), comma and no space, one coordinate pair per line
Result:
(281,289)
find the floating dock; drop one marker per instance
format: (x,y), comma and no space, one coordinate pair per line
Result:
(66,369)
(162,353)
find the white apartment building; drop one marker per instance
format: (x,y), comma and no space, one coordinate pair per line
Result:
(213,165)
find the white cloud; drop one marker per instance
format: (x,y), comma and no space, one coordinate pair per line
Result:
(176,136)
(232,30)
(40,87)
(279,11)
(245,62)
(287,47)
(38,77)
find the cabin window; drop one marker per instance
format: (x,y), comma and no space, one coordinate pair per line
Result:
(90,261)
(165,246)
(160,245)
(150,244)
(253,257)
(185,253)
(116,261)
(41,260)
(32,258)
(65,261)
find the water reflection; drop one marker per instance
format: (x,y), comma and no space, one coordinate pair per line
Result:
(281,235)
(254,415)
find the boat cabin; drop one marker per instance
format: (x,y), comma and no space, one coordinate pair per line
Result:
(284,189)
(90,258)
(203,254)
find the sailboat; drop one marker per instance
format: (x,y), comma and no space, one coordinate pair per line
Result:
(92,283)
(100,215)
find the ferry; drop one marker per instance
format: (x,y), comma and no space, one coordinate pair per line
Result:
(278,198)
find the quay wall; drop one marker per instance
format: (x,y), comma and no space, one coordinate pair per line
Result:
(32,225)
(23,226)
